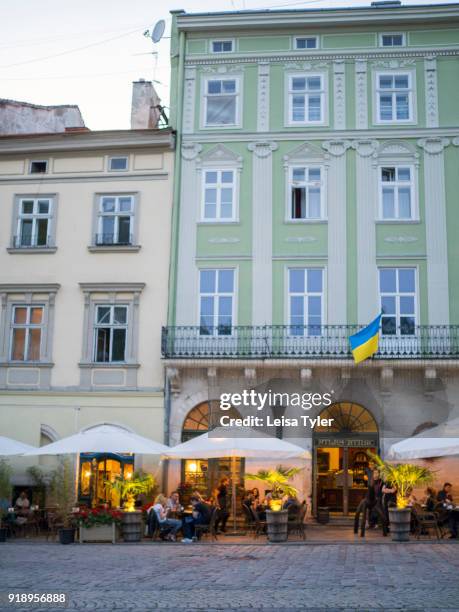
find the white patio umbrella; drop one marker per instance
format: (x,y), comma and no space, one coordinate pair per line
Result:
(440,441)
(102,439)
(9,447)
(253,444)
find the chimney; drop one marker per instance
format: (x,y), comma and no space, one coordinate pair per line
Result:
(144,111)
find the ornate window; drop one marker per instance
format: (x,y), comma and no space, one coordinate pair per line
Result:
(222,101)
(394,97)
(348,418)
(306,99)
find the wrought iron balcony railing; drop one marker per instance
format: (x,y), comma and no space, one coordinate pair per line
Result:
(297,342)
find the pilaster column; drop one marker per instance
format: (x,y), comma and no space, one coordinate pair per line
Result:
(361,94)
(262,247)
(339,94)
(337,248)
(366,194)
(436,236)
(263,97)
(189,97)
(190,192)
(430,70)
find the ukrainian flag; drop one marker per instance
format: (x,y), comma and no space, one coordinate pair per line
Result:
(364,343)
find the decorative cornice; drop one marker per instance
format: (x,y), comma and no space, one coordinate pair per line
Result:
(365,148)
(219,154)
(318,65)
(190,150)
(393,63)
(433,146)
(223,68)
(112,287)
(29,287)
(305,151)
(262,148)
(322,56)
(337,148)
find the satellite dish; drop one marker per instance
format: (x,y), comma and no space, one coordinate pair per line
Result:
(158,31)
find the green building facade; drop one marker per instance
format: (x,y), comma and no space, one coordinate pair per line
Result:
(316,185)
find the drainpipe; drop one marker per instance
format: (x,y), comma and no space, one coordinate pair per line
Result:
(177,179)
(167,416)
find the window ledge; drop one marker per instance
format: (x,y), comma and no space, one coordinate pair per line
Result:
(305,221)
(108,365)
(219,223)
(31,250)
(115,248)
(397,221)
(26,364)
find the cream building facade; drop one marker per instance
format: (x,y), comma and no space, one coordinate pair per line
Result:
(84,264)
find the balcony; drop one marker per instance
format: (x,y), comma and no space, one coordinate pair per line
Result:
(297,342)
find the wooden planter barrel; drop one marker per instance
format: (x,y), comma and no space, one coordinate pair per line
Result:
(277,525)
(132,526)
(400,520)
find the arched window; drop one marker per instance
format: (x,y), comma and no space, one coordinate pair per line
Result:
(348,418)
(197,421)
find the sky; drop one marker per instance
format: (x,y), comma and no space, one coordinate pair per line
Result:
(88,52)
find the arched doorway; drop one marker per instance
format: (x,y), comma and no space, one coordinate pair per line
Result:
(340,459)
(203,474)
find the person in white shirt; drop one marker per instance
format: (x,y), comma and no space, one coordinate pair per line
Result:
(22,504)
(173,503)
(161,510)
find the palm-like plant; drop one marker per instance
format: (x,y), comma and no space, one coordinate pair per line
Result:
(404,477)
(277,480)
(129,488)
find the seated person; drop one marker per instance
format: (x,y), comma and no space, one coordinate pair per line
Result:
(22,505)
(173,503)
(161,510)
(445,497)
(292,505)
(200,516)
(429,500)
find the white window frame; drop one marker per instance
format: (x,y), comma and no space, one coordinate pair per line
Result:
(288,211)
(234,296)
(411,97)
(413,194)
(112,157)
(222,40)
(323,93)
(28,326)
(303,36)
(34,216)
(112,327)
(219,185)
(288,295)
(397,296)
(116,214)
(402,34)
(39,161)
(238,95)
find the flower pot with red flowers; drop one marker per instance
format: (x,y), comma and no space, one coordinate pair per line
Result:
(99,525)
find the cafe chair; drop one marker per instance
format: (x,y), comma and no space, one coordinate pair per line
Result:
(423,521)
(297,525)
(209,529)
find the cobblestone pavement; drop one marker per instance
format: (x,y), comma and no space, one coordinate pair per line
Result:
(344,577)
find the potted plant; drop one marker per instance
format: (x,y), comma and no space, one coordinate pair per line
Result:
(278,482)
(98,524)
(404,477)
(129,488)
(5,495)
(62,489)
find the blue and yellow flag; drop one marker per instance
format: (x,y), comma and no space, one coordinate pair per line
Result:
(364,343)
